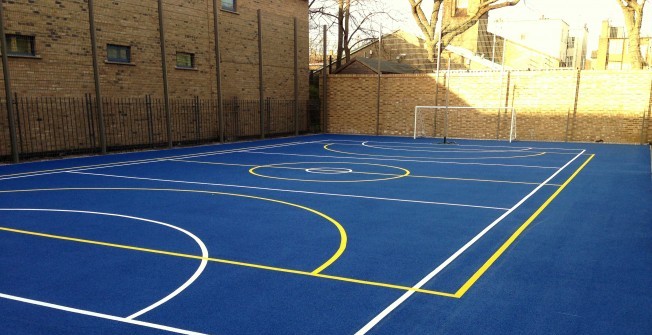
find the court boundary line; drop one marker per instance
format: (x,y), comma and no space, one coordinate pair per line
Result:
(230,262)
(288,191)
(379,317)
(409,290)
(481,271)
(99,315)
(148,160)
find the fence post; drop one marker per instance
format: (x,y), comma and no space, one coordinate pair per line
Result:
(236,111)
(268,111)
(568,117)
(324,116)
(260,73)
(166,89)
(96,76)
(644,127)
(19,128)
(575,103)
(196,109)
(150,120)
(88,108)
(296,78)
(380,72)
(10,106)
(218,72)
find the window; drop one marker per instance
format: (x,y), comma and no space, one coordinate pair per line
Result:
(19,45)
(118,53)
(185,60)
(570,43)
(229,5)
(461,7)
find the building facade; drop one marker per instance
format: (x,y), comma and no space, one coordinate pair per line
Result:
(541,43)
(613,49)
(50,47)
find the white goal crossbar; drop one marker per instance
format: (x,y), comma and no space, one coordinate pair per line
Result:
(463,114)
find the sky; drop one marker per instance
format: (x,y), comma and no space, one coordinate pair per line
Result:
(576,13)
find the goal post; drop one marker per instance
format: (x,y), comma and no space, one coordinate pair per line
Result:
(465,122)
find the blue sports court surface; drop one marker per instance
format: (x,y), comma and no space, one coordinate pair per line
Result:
(331,234)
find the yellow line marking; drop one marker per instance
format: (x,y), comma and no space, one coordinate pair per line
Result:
(329,262)
(327,147)
(391,176)
(471,281)
(230,262)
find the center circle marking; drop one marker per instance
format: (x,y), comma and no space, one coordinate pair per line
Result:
(388,173)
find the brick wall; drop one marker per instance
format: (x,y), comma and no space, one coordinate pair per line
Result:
(63,66)
(612,106)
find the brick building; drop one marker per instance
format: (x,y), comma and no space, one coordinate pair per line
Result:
(50,47)
(613,49)
(50,63)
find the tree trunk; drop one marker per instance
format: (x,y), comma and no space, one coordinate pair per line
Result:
(633,14)
(340,33)
(347,27)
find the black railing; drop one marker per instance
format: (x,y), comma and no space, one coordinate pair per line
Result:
(57,126)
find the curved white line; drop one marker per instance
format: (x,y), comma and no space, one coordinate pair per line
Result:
(456,145)
(326,147)
(165,299)
(417,148)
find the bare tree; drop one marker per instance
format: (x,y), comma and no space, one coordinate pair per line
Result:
(356,22)
(451,29)
(633,13)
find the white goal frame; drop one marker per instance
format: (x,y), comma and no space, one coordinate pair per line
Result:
(512,110)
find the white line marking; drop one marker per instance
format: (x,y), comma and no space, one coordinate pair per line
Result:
(290,191)
(432,274)
(151,160)
(429,141)
(382,174)
(200,243)
(416,147)
(408,160)
(533,154)
(99,315)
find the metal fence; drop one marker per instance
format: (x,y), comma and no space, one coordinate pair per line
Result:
(56,126)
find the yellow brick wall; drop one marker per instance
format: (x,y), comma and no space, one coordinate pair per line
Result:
(551,105)
(64,64)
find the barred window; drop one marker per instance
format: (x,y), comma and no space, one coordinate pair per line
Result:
(20,45)
(229,5)
(185,60)
(118,53)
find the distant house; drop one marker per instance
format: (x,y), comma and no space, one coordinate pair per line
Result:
(539,43)
(399,47)
(362,65)
(613,49)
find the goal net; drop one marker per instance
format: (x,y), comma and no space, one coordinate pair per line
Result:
(465,122)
